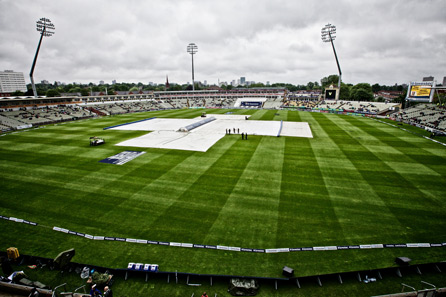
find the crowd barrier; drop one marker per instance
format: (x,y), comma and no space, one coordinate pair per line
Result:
(234,248)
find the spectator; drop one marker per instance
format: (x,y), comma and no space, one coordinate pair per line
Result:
(100,278)
(108,292)
(94,291)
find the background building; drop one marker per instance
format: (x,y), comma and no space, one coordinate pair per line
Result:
(11,81)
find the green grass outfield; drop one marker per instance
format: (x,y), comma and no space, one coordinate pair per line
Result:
(357,181)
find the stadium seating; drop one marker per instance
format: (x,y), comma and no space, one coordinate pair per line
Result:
(356,106)
(10,121)
(272,104)
(425,115)
(13,118)
(300,103)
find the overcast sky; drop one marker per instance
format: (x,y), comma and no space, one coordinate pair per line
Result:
(378,41)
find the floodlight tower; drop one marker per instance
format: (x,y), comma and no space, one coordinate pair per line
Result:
(192,49)
(328,34)
(46,28)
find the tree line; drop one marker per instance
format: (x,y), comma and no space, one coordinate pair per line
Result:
(358,92)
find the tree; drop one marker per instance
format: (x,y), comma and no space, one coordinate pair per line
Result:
(121,87)
(18,93)
(75,90)
(84,92)
(361,92)
(30,91)
(362,95)
(52,93)
(401,98)
(376,88)
(175,87)
(330,80)
(344,92)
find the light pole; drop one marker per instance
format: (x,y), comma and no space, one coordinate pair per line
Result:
(192,49)
(328,34)
(46,28)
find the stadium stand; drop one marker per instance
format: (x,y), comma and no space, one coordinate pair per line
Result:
(17,112)
(110,108)
(11,121)
(25,117)
(273,104)
(300,103)
(357,106)
(424,115)
(196,102)
(4,128)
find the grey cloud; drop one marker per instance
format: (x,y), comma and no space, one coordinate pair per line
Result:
(378,41)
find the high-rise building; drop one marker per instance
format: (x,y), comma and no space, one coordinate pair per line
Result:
(242,80)
(11,81)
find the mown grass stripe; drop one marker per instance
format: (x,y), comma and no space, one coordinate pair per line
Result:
(162,192)
(269,115)
(425,170)
(292,116)
(405,142)
(188,217)
(305,211)
(356,206)
(403,192)
(257,191)
(259,114)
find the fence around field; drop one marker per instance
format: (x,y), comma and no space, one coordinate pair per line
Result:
(231,248)
(194,279)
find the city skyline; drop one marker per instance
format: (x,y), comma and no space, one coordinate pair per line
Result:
(383,41)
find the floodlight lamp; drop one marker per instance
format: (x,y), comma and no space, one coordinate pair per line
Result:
(328,33)
(192,48)
(45,26)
